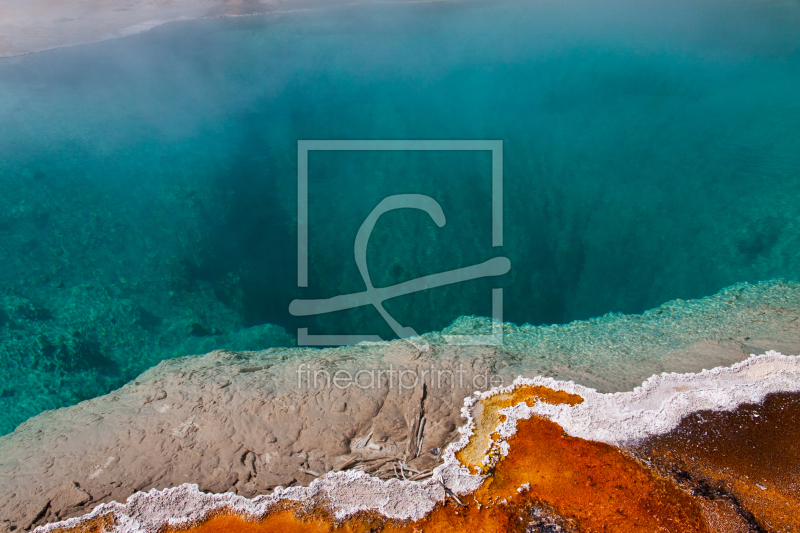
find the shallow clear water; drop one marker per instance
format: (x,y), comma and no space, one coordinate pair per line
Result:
(148,184)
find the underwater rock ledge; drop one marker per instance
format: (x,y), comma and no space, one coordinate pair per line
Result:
(248,423)
(643,500)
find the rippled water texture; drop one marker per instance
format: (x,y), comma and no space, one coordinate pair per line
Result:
(148,184)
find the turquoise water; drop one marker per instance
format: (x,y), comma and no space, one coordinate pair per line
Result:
(148,201)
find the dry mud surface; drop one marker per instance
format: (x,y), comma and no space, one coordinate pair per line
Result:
(246,423)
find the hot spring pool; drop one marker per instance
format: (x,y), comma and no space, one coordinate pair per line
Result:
(148,185)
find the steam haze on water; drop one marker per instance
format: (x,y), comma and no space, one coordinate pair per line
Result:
(148,184)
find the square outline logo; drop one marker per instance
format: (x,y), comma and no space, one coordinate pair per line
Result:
(305,146)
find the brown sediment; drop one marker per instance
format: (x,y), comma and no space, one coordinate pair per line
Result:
(723,516)
(286,520)
(488,418)
(287,517)
(586,486)
(99,524)
(747,459)
(278,522)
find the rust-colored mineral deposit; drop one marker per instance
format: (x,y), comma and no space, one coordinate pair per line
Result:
(748,461)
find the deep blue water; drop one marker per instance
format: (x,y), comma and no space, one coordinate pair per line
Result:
(148,184)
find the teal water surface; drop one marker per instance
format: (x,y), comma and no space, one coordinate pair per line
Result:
(148,202)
